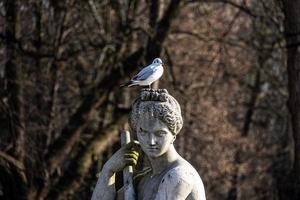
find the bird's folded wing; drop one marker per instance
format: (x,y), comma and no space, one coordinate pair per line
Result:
(144,74)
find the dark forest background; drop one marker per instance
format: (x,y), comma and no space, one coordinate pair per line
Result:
(233,65)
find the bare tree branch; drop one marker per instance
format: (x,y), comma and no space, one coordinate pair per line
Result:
(82,163)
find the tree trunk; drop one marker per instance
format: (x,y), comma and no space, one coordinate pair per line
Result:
(72,179)
(292,34)
(13,72)
(12,173)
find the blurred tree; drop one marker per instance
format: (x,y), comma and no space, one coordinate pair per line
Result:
(292,35)
(54,53)
(61,63)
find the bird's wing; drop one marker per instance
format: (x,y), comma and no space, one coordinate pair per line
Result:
(144,73)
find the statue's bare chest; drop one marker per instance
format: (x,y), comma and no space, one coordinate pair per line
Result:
(148,187)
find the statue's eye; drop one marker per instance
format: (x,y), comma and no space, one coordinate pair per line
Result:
(161,133)
(142,132)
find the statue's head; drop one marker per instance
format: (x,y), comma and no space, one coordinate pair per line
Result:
(156,120)
(158,104)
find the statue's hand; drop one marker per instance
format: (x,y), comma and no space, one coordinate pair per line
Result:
(125,156)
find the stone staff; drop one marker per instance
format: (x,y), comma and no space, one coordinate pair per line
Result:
(129,193)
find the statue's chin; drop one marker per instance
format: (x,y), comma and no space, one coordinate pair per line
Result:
(153,153)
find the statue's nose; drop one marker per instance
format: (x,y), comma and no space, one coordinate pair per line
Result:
(151,139)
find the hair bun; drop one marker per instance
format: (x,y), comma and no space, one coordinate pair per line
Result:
(160,104)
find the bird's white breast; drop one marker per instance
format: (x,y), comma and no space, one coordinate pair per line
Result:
(155,76)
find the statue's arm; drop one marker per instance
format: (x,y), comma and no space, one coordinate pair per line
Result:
(105,187)
(107,191)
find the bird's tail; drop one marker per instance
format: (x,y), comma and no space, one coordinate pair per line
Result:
(128,84)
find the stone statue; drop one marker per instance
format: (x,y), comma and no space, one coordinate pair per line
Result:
(156,120)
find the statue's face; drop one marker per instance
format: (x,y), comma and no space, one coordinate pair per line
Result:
(154,136)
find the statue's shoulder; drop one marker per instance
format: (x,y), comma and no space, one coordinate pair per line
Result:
(183,179)
(183,171)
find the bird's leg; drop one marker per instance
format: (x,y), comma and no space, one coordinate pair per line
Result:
(145,88)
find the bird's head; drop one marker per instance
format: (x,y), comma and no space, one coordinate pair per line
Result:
(157,61)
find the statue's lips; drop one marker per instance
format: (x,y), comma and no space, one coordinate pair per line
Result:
(152,148)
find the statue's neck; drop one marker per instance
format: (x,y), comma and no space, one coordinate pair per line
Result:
(160,163)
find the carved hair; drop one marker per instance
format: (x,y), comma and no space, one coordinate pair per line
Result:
(160,104)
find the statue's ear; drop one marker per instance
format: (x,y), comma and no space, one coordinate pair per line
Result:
(174,138)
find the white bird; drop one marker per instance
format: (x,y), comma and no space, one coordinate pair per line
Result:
(147,75)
